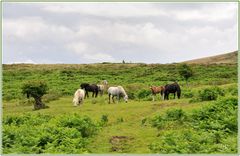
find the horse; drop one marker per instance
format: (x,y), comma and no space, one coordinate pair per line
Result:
(101,89)
(78,97)
(172,88)
(117,91)
(157,89)
(105,84)
(90,88)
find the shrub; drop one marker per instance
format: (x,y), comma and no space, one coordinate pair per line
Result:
(189,142)
(232,90)
(221,115)
(35,89)
(187,94)
(29,134)
(185,71)
(175,114)
(84,125)
(131,95)
(211,93)
(209,129)
(158,122)
(104,119)
(142,94)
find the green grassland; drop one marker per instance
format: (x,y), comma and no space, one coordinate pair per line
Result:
(191,124)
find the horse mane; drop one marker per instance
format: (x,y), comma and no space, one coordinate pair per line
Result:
(122,90)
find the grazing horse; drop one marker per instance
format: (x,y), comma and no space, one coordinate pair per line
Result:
(90,88)
(101,89)
(157,89)
(105,84)
(172,88)
(78,97)
(117,91)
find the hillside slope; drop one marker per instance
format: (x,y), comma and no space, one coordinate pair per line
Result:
(223,58)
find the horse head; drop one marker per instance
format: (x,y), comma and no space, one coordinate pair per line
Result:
(125,98)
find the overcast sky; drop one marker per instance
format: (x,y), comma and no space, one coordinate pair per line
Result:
(112,32)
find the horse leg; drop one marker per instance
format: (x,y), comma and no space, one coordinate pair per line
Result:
(113,98)
(167,96)
(118,98)
(178,94)
(109,95)
(162,96)
(174,95)
(153,97)
(96,93)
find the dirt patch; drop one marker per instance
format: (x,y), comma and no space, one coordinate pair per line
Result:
(120,143)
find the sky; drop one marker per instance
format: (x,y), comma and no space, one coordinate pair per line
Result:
(85,32)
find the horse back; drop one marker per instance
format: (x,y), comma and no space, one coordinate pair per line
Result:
(172,88)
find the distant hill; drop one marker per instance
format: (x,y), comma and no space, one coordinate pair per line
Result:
(223,58)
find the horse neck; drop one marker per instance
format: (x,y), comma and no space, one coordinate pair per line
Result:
(123,92)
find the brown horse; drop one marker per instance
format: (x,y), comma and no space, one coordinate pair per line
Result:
(157,89)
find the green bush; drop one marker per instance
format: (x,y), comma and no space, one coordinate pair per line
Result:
(131,95)
(187,94)
(158,121)
(104,119)
(29,134)
(84,125)
(209,129)
(35,89)
(192,142)
(211,93)
(175,114)
(143,94)
(232,90)
(221,115)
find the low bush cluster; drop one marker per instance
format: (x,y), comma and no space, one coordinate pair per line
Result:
(211,93)
(208,94)
(144,94)
(211,129)
(192,142)
(46,134)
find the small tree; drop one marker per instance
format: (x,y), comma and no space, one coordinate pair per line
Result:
(186,72)
(35,89)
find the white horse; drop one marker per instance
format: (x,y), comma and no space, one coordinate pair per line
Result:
(105,84)
(101,89)
(78,97)
(117,91)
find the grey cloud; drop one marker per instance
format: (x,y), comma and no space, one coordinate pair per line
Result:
(157,37)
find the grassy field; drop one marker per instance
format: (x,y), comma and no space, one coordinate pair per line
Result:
(187,125)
